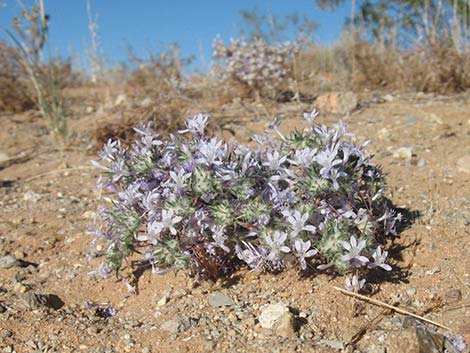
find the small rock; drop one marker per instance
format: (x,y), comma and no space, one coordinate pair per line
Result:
(285,326)
(20,288)
(411,291)
(8,262)
(4,157)
(410,120)
(271,314)
(120,99)
(171,326)
(89,110)
(177,325)
(433,271)
(6,333)
(31,196)
(36,301)
(435,119)
(415,340)
(19,254)
(463,164)
(383,133)
(336,103)
(162,301)
(404,153)
(89,215)
(388,98)
(146,102)
(453,296)
(218,299)
(421,163)
(335,344)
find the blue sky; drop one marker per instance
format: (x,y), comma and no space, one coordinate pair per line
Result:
(152,23)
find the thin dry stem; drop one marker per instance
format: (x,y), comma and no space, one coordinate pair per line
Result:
(388,306)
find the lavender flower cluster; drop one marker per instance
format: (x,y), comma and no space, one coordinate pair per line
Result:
(261,66)
(312,198)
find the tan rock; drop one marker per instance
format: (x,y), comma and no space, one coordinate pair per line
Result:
(463,164)
(336,103)
(285,326)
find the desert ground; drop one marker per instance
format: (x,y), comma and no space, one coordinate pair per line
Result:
(49,302)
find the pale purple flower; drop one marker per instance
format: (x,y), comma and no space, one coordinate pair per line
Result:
(276,245)
(274,160)
(131,195)
(297,223)
(254,257)
(178,181)
(275,127)
(211,152)
(148,139)
(354,252)
(218,234)
(304,157)
(196,125)
(167,222)
(390,219)
(303,251)
(111,151)
(354,285)
(379,260)
(310,117)
(327,160)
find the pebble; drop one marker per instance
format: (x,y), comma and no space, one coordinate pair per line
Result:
(335,344)
(120,99)
(146,102)
(453,296)
(31,196)
(177,325)
(19,254)
(36,301)
(218,299)
(463,164)
(8,261)
(162,301)
(4,157)
(421,163)
(271,314)
(388,98)
(410,120)
(404,153)
(433,271)
(285,325)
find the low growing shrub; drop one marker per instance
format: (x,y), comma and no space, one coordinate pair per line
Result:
(262,68)
(312,198)
(14,95)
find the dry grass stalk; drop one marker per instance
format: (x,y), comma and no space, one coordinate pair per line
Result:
(388,306)
(30,39)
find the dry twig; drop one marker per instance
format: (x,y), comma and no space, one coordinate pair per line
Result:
(388,306)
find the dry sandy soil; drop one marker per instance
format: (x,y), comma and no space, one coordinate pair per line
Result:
(48,198)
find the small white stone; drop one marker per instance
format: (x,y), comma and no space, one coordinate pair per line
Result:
(271,314)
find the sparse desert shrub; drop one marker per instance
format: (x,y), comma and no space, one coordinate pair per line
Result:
(263,69)
(14,95)
(44,79)
(158,74)
(313,198)
(357,64)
